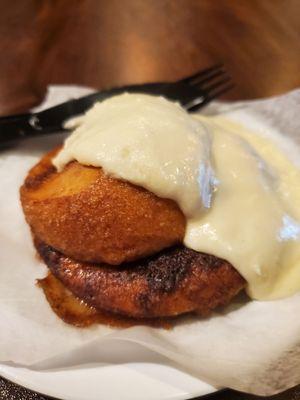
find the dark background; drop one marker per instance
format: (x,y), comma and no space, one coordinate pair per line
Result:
(104,43)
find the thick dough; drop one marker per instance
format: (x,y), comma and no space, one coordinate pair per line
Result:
(173,282)
(95,218)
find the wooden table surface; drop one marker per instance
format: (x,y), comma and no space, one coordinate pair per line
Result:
(103,43)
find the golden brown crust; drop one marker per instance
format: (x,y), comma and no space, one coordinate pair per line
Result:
(173,282)
(91,217)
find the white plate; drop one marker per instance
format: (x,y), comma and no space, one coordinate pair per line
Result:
(156,379)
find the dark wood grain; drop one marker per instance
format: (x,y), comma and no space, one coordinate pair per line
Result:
(103,43)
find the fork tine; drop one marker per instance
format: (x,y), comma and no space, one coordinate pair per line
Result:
(219,92)
(209,78)
(203,73)
(203,101)
(215,85)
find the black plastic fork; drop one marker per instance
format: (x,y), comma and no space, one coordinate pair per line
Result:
(192,93)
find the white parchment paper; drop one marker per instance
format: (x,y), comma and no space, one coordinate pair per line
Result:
(250,346)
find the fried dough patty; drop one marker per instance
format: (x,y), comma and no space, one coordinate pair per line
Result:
(95,218)
(176,281)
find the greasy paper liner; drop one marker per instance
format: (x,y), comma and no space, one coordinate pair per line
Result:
(250,346)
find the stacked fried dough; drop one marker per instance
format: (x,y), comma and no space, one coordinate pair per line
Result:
(118,247)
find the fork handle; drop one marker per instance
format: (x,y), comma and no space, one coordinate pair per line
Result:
(12,129)
(16,127)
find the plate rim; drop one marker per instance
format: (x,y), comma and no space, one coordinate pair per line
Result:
(12,374)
